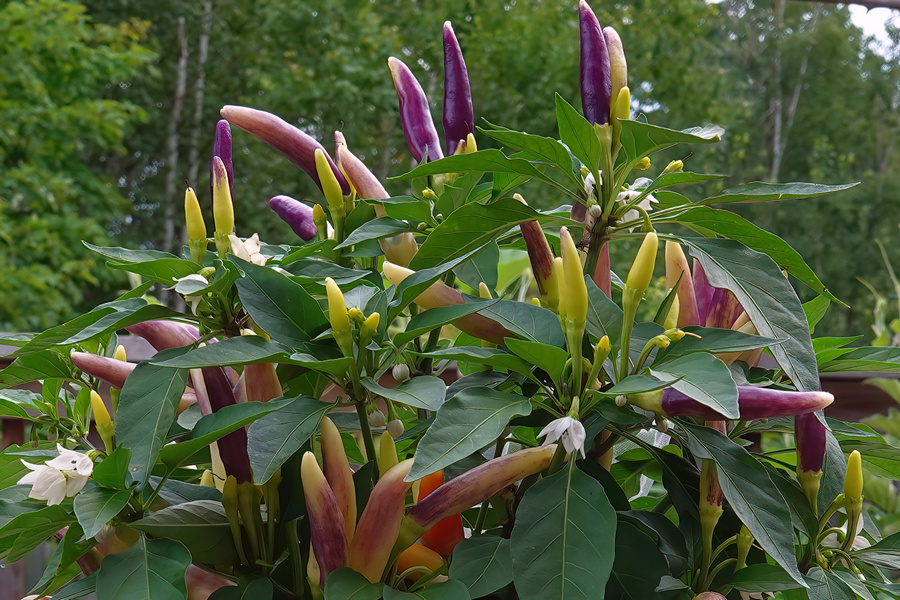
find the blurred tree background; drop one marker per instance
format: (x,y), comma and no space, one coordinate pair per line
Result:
(97,140)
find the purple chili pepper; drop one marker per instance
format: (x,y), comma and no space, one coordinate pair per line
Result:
(459,118)
(296,214)
(297,146)
(222,149)
(415,116)
(211,386)
(596,82)
(703,292)
(753,403)
(809,435)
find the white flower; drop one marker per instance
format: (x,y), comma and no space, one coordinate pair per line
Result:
(859,542)
(570,430)
(590,184)
(191,286)
(248,249)
(636,189)
(62,476)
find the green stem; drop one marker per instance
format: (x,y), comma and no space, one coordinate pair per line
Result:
(715,571)
(722,546)
(595,245)
(367,435)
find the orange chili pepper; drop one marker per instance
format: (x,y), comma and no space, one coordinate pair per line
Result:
(418,555)
(447,532)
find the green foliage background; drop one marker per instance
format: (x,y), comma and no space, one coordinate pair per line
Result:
(83,141)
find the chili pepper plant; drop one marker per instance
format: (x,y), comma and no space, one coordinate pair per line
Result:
(334,416)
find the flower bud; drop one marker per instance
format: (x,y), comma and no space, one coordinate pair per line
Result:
(596,85)
(374,416)
(395,428)
(674,167)
(400,372)
(379,524)
(853,480)
(642,269)
(458,118)
(415,116)
(643,164)
(207,479)
(298,216)
(470,146)
(595,211)
(356,315)
(338,473)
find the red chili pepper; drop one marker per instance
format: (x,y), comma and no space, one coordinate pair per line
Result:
(447,532)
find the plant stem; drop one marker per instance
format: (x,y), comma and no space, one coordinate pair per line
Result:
(368,441)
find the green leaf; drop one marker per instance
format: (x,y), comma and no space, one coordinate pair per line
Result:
(815,309)
(578,134)
(534,147)
(347,584)
(544,356)
(376,229)
(497,359)
(146,411)
(483,563)
(716,340)
(258,589)
(112,471)
(761,192)
(470,228)
(750,492)
(868,358)
(604,317)
(149,570)
(638,384)
(490,160)
(201,526)
(217,425)
(639,565)
(332,366)
(769,300)
(158,266)
(281,307)
(240,350)
(275,437)
(562,540)
(827,586)
(763,577)
(433,318)
(641,139)
(704,378)
(26,531)
(878,456)
(732,226)
(446,590)
(464,424)
(680,178)
(481,268)
(416,283)
(423,391)
(534,323)
(35,367)
(95,506)
(178,492)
